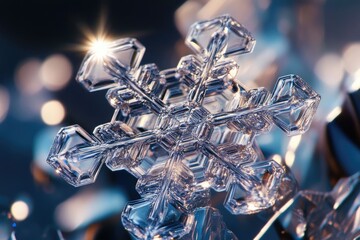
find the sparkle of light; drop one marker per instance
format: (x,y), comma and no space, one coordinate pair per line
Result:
(300,230)
(100,48)
(205,184)
(55,72)
(52,112)
(20,210)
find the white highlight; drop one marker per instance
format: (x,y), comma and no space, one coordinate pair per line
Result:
(19,210)
(52,112)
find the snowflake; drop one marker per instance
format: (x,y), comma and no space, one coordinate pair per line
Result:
(185,130)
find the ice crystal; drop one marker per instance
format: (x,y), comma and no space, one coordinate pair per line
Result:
(316,215)
(185,130)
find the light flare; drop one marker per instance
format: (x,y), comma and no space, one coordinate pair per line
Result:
(100,48)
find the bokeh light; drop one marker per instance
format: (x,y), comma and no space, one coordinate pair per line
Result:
(351,57)
(20,210)
(27,78)
(89,206)
(4,102)
(55,72)
(52,112)
(330,69)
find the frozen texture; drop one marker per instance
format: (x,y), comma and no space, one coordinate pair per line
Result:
(315,215)
(185,130)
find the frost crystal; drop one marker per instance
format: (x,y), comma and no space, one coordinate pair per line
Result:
(185,130)
(316,215)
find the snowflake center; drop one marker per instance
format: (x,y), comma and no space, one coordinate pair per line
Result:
(182,124)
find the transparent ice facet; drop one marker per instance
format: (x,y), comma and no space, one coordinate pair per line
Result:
(184,131)
(209,224)
(239,40)
(75,156)
(297,104)
(258,191)
(315,215)
(99,65)
(171,224)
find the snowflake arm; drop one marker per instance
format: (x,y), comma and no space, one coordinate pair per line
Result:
(291,107)
(77,156)
(116,67)
(214,41)
(252,185)
(184,130)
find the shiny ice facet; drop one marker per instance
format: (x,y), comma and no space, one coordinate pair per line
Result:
(102,66)
(239,40)
(209,224)
(315,215)
(171,224)
(184,131)
(258,189)
(76,156)
(297,103)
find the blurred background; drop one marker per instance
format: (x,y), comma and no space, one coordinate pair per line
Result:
(42,45)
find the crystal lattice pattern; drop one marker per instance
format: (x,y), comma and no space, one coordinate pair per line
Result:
(185,130)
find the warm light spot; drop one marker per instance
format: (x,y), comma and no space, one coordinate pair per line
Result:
(294,143)
(233,72)
(19,210)
(87,207)
(289,158)
(277,158)
(39,176)
(351,57)
(113,101)
(333,114)
(330,69)
(4,102)
(205,184)
(27,77)
(356,83)
(300,230)
(157,237)
(55,72)
(252,206)
(52,112)
(100,48)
